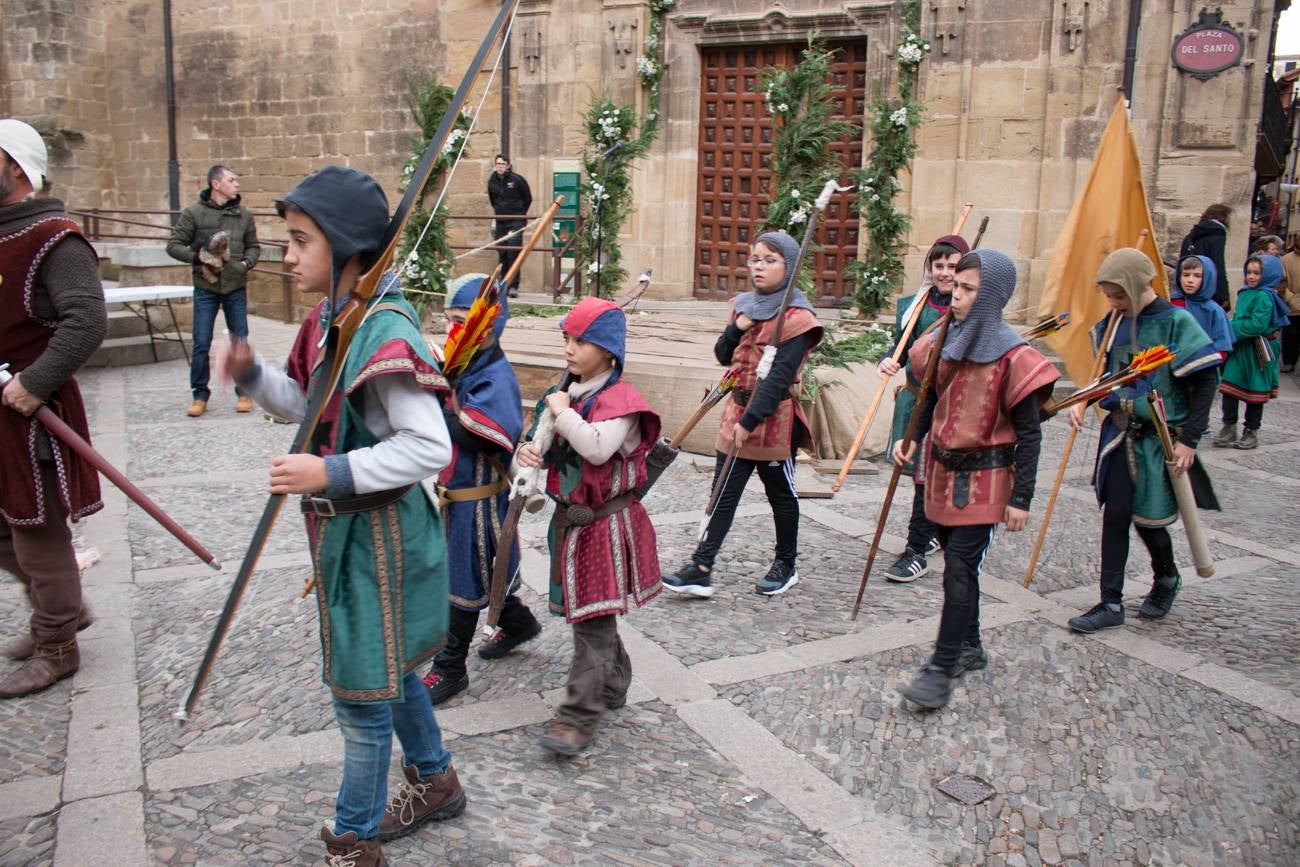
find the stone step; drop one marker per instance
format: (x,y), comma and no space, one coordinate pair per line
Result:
(127,351)
(124,323)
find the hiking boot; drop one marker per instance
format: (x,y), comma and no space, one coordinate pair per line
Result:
(244,404)
(197,408)
(933,546)
(565,739)
(1226,437)
(1161,597)
(500,642)
(346,850)
(1106,615)
(616,702)
(48,664)
(932,688)
(780,578)
(691,580)
(1249,440)
(421,799)
(443,686)
(22,648)
(973,657)
(908,567)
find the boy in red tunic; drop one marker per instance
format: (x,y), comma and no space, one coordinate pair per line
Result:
(983,421)
(602,542)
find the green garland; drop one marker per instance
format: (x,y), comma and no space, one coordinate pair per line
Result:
(615,138)
(893,129)
(799,100)
(425,275)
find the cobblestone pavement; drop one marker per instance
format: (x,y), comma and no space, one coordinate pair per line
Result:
(758,730)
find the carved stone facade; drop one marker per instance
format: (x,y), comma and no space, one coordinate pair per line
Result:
(1016,94)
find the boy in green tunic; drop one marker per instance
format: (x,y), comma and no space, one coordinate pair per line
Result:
(1250,374)
(377,544)
(1131,479)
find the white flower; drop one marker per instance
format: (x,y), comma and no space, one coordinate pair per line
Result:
(909,53)
(593,268)
(794,194)
(875,197)
(783,107)
(646,67)
(798,216)
(899,116)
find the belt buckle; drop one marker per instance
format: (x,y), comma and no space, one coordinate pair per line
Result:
(322,506)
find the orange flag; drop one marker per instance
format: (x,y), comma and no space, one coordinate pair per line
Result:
(1111,212)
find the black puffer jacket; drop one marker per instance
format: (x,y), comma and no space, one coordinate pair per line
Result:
(203,219)
(1209,238)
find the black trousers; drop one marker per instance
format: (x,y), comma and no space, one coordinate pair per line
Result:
(778,482)
(1115,521)
(1291,342)
(515,618)
(920,529)
(508,256)
(964,549)
(1254,412)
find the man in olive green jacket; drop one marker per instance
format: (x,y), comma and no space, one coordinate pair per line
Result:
(217,237)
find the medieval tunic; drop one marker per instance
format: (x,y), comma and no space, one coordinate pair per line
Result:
(905,395)
(487,409)
(597,566)
(381,574)
(1243,376)
(27,341)
(972,413)
(1127,435)
(776,436)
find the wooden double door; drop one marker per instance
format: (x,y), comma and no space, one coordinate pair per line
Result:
(735,173)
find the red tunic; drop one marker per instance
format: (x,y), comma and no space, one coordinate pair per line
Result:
(603,563)
(775,438)
(23,337)
(974,412)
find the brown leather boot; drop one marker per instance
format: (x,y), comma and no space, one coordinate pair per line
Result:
(346,850)
(49,664)
(419,800)
(22,648)
(565,739)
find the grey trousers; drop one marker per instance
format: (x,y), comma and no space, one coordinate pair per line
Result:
(600,674)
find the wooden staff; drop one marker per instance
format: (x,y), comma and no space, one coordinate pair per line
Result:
(913,316)
(931,371)
(1097,363)
(1183,494)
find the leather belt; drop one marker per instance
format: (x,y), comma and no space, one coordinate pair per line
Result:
(324,507)
(742,395)
(466,495)
(577,515)
(963,463)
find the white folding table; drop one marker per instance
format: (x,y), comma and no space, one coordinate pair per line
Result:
(156,296)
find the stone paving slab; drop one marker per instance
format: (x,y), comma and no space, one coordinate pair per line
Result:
(1094,755)
(33,729)
(267,680)
(649,792)
(186,446)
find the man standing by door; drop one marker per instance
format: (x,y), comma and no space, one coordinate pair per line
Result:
(511,199)
(217,237)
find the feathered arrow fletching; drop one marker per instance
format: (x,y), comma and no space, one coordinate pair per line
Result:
(466,339)
(1050,325)
(1140,365)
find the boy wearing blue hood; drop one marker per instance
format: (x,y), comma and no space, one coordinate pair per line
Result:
(485,419)
(377,544)
(982,461)
(1131,479)
(1250,374)
(768,430)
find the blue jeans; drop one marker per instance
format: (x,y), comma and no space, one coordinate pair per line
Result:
(367,746)
(206,304)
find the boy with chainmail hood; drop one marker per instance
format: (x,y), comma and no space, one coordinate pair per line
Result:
(935,296)
(768,430)
(1131,479)
(378,550)
(980,467)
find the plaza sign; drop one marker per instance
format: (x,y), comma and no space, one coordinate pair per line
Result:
(1208,47)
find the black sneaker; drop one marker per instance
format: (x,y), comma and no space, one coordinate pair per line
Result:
(1161,597)
(1104,616)
(932,688)
(908,567)
(780,578)
(501,642)
(933,546)
(973,657)
(690,580)
(442,687)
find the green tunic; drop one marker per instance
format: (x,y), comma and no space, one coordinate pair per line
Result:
(1243,376)
(1153,496)
(905,396)
(381,575)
